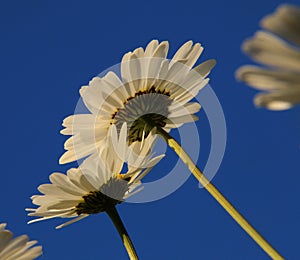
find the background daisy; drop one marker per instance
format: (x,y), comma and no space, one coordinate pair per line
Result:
(279,49)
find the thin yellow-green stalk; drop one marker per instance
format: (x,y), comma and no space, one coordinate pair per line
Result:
(218,195)
(114,216)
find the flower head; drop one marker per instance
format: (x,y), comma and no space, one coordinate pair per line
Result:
(17,248)
(279,50)
(98,183)
(152,91)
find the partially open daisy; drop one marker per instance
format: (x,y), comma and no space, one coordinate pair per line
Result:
(280,50)
(151,91)
(99,183)
(18,248)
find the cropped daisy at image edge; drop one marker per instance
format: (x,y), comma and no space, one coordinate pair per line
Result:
(277,47)
(18,248)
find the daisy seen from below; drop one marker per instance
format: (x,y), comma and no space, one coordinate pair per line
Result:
(18,248)
(150,85)
(278,48)
(98,185)
(152,94)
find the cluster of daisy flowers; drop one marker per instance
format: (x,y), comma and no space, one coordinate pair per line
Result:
(126,115)
(152,95)
(114,142)
(152,92)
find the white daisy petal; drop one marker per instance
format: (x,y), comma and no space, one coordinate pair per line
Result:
(71,221)
(60,191)
(17,248)
(116,85)
(26,253)
(122,145)
(135,72)
(204,68)
(126,75)
(5,238)
(90,94)
(187,109)
(188,54)
(78,122)
(179,120)
(272,51)
(151,163)
(267,79)
(279,100)
(285,22)
(47,217)
(191,91)
(2,226)
(162,50)
(176,75)
(151,47)
(14,244)
(139,53)
(194,55)
(183,51)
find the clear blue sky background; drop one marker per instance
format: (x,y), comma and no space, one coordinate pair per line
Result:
(50,48)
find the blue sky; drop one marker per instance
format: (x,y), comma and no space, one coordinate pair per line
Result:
(50,48)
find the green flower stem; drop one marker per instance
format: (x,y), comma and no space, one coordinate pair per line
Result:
(115,217)
(218,195)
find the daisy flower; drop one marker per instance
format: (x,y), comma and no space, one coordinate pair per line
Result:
(278,48)
(18,248)
(151,91)
(98,184)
